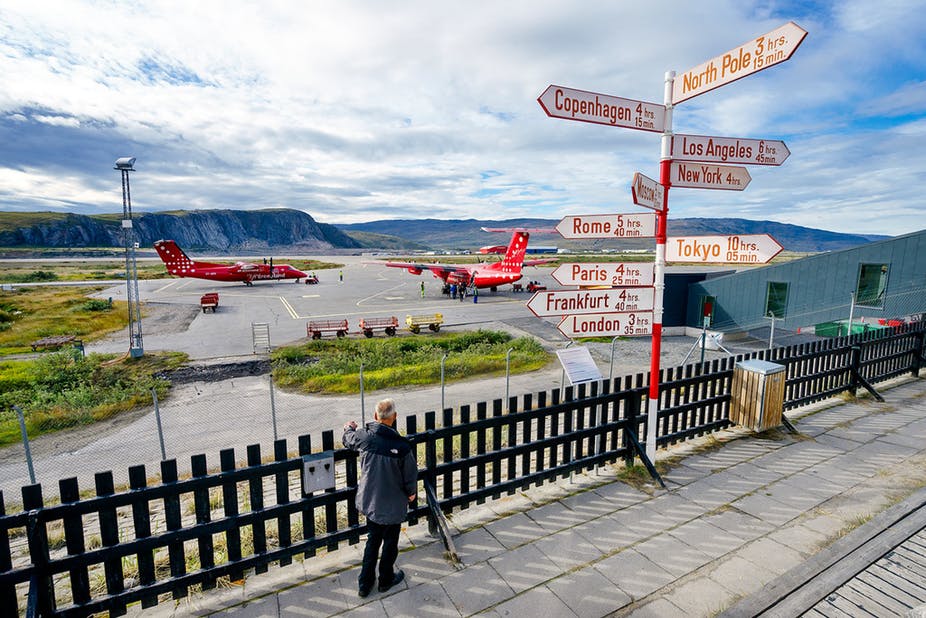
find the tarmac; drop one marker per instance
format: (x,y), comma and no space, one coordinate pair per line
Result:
(741,512)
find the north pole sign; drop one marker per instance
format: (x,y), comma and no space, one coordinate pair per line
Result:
(741,249)
(607,324)
(572,104)
(633,225)
(570,302)
(760,53)
(732,150)
(615,274)
(709,176)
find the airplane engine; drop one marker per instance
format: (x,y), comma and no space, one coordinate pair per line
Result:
(415,271)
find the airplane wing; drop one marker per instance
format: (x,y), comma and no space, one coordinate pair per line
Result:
(440,270)
(540,261)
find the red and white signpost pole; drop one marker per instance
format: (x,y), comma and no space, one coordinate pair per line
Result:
(665,175)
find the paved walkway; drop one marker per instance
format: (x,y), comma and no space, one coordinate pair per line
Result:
(740,511)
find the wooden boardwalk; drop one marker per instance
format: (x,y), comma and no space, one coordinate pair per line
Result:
(879,569)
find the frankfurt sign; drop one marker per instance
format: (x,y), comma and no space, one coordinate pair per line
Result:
(568,302)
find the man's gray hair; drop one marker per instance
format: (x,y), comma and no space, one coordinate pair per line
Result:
(385,408)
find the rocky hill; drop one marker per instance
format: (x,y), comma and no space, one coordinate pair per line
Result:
(467,233)
(238,231)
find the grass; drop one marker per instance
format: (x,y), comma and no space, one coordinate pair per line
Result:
(333,366)
(63,389)
(28,314)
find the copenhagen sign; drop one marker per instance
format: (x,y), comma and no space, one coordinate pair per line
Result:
(562,302)
(634,225)
(572,104)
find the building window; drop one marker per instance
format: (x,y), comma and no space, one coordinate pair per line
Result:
(872,283)
(776,299)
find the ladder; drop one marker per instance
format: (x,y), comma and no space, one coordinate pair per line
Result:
(260,336)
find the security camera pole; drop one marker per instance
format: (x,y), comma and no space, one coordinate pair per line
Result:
(136,349)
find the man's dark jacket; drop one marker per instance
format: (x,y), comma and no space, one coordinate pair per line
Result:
(389,473)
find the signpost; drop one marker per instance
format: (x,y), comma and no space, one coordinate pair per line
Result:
(574,302)
(709,176)
(615,274)
(732,150)
(607,324)
(647,192)
(742,249)
(559,102)
(572,104)
(634,225)
(760,53)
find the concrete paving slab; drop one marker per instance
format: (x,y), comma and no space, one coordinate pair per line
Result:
(322,597)
(672,554)
(770,555)
(477,546)
(557,516)
(568,549)
(608,534)
(525,567)
(752,472)
(621,495)
(707,538)
(800,537)
(634,573)
(708,493)
(588,593)
(426,563)
(675,508)
(476,588)
(536,602)
(767,509)
(515,530)
(660,608)
(264,607)
(740,576)
(738,523)
(424,600)
(701,596)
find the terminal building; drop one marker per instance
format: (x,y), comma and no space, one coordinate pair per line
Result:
(875,285)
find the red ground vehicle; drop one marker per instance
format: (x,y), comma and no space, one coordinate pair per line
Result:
(316,328)
(368,325)
(534,286)
(209,301)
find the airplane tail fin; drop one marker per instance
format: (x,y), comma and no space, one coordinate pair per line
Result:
(514,256)
(173,256)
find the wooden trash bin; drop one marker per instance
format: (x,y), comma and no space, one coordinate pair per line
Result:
(757,394)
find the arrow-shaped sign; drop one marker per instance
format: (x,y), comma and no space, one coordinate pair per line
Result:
(709,176)
(615,274)
(729,150)
(572,104)
(607,324)
(741,249)
(635,225)
(571,302)
(647,192)
(760,53)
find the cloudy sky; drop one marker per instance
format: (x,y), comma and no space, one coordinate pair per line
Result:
(354,111)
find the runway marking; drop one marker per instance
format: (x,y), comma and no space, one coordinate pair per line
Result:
(372,296)
(172,283)
(289,308)
(393,297)
(312,296)
(186,283)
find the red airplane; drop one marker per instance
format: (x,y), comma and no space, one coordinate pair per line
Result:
(180,265)
(481,275)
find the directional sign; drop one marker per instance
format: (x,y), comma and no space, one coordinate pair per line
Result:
(709,176)
(761,53)
(608,273)
(635,225)
(572,104)
(728,150)
(647,192)
(742,249)
(569,302)
(607,324)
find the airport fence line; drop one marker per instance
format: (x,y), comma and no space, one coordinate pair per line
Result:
(77,555)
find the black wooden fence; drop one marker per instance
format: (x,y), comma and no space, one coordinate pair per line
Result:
(87,554)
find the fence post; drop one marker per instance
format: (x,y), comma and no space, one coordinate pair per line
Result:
(157,418)
(273,409)
(855,365)
(918,349)
(430,464)
(508,373)
(41,587)
(25,435)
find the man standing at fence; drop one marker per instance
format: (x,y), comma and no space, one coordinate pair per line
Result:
(388,483)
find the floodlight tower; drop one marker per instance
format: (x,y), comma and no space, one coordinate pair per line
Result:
(136,349)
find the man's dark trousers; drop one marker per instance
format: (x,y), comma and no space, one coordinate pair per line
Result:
(388,537)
